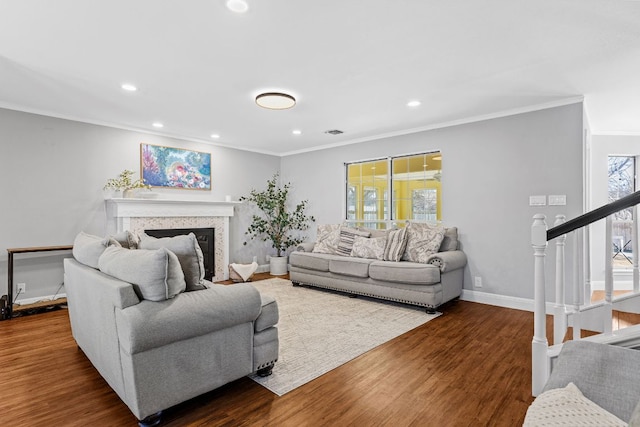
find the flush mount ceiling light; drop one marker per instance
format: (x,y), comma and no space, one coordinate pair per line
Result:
(414,103)
(128,87)
(237,6)
(275,100)
(296,132)
(158,125)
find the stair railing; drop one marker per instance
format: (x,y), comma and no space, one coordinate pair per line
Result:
(540,236)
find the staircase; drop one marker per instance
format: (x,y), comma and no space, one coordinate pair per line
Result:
(579,313)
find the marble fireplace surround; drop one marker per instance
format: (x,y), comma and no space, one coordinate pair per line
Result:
(136,215)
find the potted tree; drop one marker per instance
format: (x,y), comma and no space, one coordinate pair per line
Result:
(277,223)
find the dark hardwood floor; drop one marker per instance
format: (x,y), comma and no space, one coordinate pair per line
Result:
(469,367)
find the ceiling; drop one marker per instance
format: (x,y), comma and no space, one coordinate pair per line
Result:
(352,65)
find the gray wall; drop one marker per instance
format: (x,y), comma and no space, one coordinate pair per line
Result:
(490,168)
(54,171)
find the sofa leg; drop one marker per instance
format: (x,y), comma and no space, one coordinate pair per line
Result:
(265,372)
(431,310)
(295,284)
(151,420)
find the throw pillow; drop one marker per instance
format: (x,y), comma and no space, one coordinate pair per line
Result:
(364,247)
(347,235)
(87,248)
(189,254)
(422,240)
(126,239)
(155,274)
(327,239)
(396,244)
(568,407)
(450,240)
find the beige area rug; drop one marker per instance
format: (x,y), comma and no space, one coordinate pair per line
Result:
(320,330)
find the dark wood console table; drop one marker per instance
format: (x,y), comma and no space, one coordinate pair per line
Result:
(7,311)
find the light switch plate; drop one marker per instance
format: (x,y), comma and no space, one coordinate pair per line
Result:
(537,200)
(557,199)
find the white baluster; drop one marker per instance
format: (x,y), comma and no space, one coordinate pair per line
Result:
(578,299)
(608,275)
(634,245)
(539,346)
(560,312)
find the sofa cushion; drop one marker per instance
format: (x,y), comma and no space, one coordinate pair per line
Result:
(422,240)
(405,272)
(87,248)
(374,232)
(396,244)
(450,240)
(347,235)
(568,407)
(311,261)
(327,239)
(155,274)
(368,247)
(189,254)
(349,266)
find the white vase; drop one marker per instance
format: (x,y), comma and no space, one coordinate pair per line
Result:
(278,265)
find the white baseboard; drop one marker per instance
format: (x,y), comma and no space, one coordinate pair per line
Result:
(516,303)
(39,299)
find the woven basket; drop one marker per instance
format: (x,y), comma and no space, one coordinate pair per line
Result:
(233,275)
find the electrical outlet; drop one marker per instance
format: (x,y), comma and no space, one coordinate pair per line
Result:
(22,288)
(477,281)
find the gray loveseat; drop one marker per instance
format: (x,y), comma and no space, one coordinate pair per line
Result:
(438,278)
(157,353)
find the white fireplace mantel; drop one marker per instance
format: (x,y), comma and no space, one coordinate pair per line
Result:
(122,213)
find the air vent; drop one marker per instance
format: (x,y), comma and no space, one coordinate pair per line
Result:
(333,132)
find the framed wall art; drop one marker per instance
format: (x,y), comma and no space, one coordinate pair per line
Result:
(175,167)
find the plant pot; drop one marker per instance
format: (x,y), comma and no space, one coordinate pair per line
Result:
(278,265)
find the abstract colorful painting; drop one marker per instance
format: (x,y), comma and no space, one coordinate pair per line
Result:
(175,167)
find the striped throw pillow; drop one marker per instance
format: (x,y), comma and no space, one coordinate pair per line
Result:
(396,243)
(347,236)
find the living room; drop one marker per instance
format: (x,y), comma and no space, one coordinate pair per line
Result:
(57,160)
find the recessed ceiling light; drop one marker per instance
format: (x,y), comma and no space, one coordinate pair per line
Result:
(157,125)
(215,136)
(275,100)
(413,103)
(237,6)
(129,87)
(296,132)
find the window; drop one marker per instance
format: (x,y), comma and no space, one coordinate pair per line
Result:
(416,190)
(622,182)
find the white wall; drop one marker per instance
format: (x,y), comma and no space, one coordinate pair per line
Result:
(603,146)
(490,169)
(54,171)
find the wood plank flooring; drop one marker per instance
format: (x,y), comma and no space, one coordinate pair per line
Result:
(469,367)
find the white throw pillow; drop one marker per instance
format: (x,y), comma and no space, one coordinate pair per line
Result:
(562,407)
(423,240)
(327,239)
(364,247)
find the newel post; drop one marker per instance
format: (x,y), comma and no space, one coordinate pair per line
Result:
(539,346)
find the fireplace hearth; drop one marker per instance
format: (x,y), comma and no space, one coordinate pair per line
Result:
(206,240)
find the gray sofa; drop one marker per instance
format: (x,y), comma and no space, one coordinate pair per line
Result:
(427,284)
(156,354)
(588,374)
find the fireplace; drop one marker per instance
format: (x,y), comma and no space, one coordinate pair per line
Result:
(206,240)
(138,215)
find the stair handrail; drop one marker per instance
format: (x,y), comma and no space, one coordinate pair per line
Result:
(594,215)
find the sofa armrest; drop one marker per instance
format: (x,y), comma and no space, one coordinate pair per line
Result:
(152,324)
(305,246)
(449,260)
